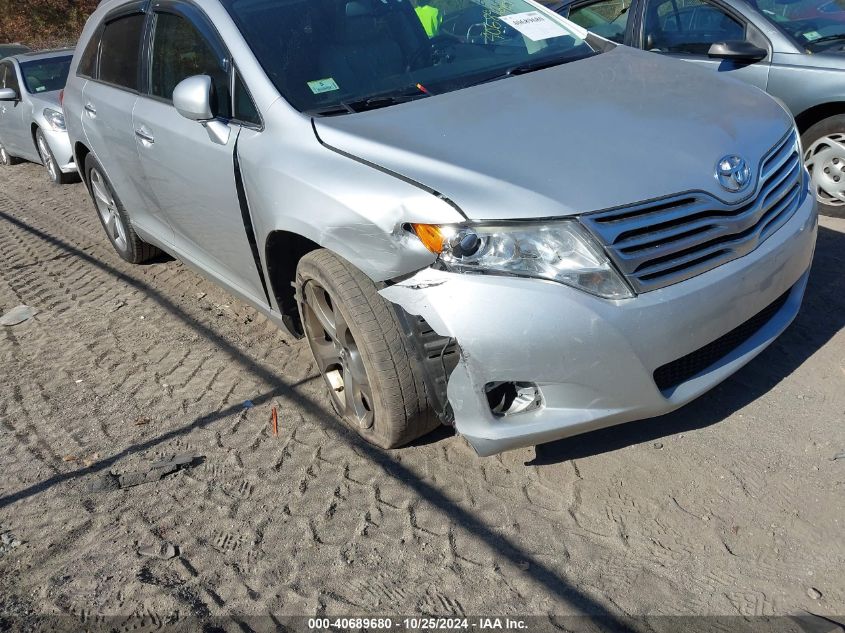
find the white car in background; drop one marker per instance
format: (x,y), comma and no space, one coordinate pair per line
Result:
(32,125)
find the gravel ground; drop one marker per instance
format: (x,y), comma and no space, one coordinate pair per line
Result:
(732,505)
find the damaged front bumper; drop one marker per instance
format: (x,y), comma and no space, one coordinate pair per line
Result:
(593,361)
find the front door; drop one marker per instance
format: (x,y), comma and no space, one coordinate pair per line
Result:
(191,171)
(686,29)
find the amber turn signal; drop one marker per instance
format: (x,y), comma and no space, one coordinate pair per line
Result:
(431,236)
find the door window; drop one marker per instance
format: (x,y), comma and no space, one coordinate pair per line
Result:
(179,52)
(119,51)
(688,26)
(608,18)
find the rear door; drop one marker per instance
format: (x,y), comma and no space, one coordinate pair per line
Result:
(11,114)
(108,100)
(190,170)
(686,29)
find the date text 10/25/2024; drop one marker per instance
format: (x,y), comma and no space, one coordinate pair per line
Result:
(417,624)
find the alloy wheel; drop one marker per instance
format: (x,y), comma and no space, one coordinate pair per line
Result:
(107,208)
(47,158)
(338,356)
(825,159)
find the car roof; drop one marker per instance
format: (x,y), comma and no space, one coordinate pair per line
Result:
(32,56)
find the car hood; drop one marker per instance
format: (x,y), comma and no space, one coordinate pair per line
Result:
(617,128)
(47,99)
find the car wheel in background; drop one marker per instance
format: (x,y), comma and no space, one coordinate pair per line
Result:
(6,158)
(824,155)
(49,161)
(361,352)
(114,217)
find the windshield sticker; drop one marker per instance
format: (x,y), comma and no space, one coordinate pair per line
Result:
(812,36)
(323,85)
(534,25)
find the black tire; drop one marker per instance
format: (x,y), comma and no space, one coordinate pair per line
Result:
(130,247)
(6,158)
(824,155)
(400,412)
(50,163)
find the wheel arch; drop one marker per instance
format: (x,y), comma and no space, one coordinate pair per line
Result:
(80,153)
(33,130)
(282,250)
(817,113)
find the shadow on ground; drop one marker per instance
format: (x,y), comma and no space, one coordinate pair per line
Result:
(543,573)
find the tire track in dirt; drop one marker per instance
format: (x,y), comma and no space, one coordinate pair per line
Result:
(312,522)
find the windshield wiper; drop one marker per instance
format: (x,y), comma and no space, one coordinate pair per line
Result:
(373,102)
(827,38)
(523,69)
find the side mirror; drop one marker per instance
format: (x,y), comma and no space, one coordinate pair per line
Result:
(8,94)
(738,51)
(192,98)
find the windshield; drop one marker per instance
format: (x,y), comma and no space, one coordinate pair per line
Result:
(45,75)
(336,56)
(815,24)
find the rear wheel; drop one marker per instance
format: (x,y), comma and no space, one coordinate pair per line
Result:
(361,352)
(114,218)
(49,161)
(824,155)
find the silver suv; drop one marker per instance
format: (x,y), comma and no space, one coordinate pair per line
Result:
(477,213)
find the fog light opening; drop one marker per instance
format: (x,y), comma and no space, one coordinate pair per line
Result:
(512,398)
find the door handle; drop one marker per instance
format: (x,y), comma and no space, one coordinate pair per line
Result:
(145,135)
(90,109)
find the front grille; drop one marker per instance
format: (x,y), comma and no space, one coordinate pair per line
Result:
(659,243)
(672,374)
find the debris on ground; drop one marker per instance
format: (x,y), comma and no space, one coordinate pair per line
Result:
(17,315)
(156,471)
(658,445)
(141,421)
(8,542)
(248,404)
(275,421)
(838,456)
(814,593)
(162,550)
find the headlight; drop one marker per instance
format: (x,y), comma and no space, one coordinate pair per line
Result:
(55,119)
(558,251)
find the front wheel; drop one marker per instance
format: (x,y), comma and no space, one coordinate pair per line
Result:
(361,352)
(824,156)
(49,161)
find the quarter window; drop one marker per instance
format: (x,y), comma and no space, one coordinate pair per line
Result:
(608,18)
(688,26)
(179,52)
(88,64)
(119,51)
(245,109)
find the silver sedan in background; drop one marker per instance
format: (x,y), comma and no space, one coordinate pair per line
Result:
(32,125)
